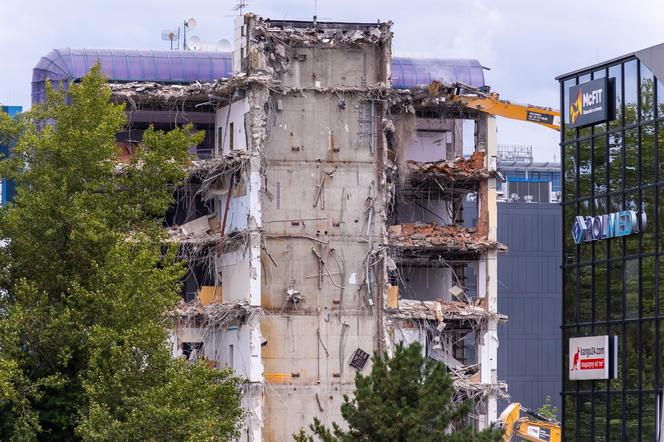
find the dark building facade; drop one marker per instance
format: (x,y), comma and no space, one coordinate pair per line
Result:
(529,294)
(612,150)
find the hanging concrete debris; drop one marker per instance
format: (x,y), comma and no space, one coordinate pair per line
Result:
(458,170)
(442,311)
(215,315)
(452,239)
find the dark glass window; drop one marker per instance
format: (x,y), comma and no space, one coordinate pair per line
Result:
(570,171)
(615,73)
(631,93)
(515,175)
(631,146)
(632,288)
(585,168)
(660,99)
(555,181)
(647,91)
(615,162)
(600,165)
(648,155)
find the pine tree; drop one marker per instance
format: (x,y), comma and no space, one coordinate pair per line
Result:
(405,398)
(86,282)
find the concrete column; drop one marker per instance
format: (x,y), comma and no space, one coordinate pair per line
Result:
(485,136)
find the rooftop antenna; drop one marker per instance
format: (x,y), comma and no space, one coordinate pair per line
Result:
(240,6)
(224,45)
(189,23)
(171,35)
(195,43)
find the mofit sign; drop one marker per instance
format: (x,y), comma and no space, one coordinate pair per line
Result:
(593,357)
(613,225)
(591,102)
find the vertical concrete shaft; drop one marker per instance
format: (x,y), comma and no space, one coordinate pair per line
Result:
(487,223)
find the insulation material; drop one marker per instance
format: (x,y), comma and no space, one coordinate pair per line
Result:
(393,296)
(209,294)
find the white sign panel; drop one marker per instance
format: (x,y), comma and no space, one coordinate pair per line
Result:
(590,357)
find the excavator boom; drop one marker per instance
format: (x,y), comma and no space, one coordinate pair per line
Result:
(537,429)
(491,103)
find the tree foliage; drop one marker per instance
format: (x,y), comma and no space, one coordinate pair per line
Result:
(405,398)
(548,410)
(86,281)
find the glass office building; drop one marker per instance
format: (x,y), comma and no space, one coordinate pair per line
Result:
(612,179)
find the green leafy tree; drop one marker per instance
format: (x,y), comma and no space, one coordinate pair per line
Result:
(405,398)
(86,282)
(548,410)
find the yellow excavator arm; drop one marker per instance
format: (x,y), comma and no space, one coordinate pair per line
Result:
(491,103)
(535,429)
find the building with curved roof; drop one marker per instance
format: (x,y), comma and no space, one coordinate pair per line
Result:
(125,65)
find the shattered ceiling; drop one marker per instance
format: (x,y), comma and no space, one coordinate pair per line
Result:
(451,239)
(216,315)
(441,311)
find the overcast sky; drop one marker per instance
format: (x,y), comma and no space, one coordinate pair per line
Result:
(525,43)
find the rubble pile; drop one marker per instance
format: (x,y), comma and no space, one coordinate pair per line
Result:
(318,36)
(215,314)
(441,311)
(206,229)
(457,169)
(150,92)
(147,91)
(452,238)
(209,173)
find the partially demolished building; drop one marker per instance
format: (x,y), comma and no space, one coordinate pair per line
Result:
(324,220)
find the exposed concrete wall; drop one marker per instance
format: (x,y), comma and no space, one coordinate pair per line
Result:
(289,405)
(426,283)
(306,365)
(332,67)
(314,349)
(430,146)
(437,211)
(227,347)
(237,218)
(231,118)
(236,273)
(322,209)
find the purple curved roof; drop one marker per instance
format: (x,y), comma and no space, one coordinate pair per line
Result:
(189,66)
(420,72)
(130,65)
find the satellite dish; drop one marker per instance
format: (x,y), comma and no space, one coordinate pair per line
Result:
(168,34)
(190,23)
(223,45)
(195,43)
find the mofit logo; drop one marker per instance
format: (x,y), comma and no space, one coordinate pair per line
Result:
(589,103)
(576,108)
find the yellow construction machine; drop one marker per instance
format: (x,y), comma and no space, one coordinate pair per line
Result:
(533,427)
(484,100)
